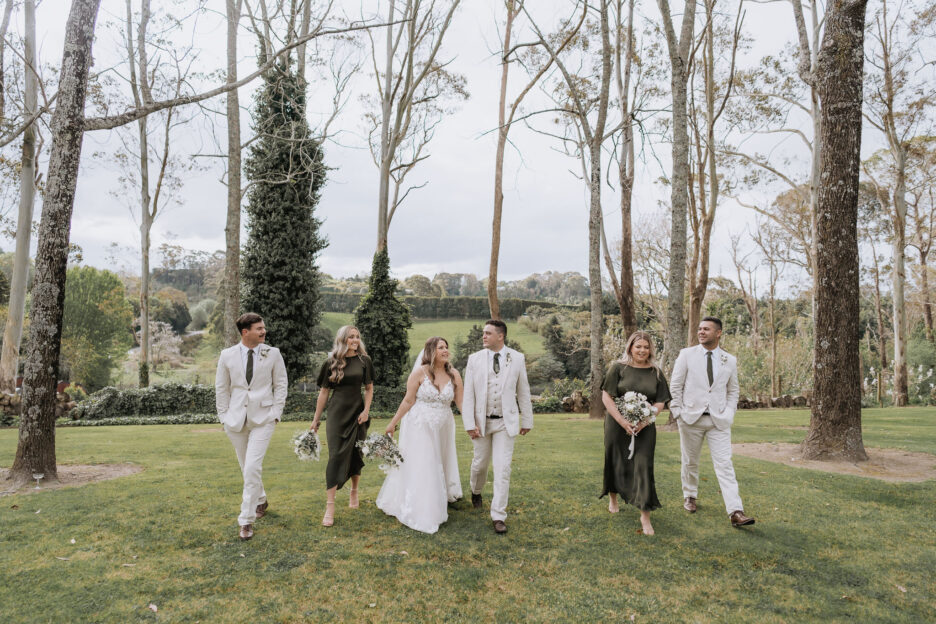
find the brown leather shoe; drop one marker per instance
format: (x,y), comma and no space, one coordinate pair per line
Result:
(500,526)
(738,519)
(246,532)
(689,504)
(261,509)
(476,501)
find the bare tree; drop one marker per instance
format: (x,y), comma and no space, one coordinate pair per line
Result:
(921,202)
(233,221)
(35,451)
(898,101)
(771,249)
(588,113)
(411,89)
(680,50)
(4,28)
(13,330)
(835,423)
(702,206)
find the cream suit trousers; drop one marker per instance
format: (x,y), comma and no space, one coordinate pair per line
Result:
(690,438)
(497,445)
(250,444)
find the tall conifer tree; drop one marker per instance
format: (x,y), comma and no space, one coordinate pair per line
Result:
(286,172)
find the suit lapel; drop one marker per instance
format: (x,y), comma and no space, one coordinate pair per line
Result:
(237,365)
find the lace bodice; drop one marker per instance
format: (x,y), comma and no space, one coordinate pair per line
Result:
(428,393)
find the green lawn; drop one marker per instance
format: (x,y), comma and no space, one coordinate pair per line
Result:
(826,548)
(454,330)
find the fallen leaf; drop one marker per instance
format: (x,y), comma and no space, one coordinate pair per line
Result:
(62,558)
(14,507)
(153,607)
(372,605)
(73,540)
(243,555)
(403,552)
(566,529)
(845,597)
(901,588)
(134,556)
(38,510)
(129,565)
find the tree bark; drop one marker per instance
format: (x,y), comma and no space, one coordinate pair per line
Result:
(625,289)
(13,331)
(233,223)
(4,27)
(679,52)
(502,130)
(35,451)
(835,422)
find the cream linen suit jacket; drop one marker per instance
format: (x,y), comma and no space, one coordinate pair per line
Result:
(262,400)
(515,397)
(692,394)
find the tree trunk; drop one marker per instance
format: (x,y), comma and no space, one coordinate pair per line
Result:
(901,389)
(233,223)
(4,27)
(596,325)
(13,331)
(835,423)
(925,293)
(35,451)
(882,343)
(502,130)
(679,51)
(386,149)
(625,290)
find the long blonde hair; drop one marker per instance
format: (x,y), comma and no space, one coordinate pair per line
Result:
(428,357)
(337,357)
(628,360)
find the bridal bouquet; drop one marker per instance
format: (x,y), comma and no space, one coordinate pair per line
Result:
(635,409)
(306,445)
(382,448)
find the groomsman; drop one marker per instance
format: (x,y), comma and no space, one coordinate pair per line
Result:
(705,396)
(495,408)
(250,392)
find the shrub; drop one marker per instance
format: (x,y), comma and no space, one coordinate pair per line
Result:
(201,314)
(547,405)
(559,388)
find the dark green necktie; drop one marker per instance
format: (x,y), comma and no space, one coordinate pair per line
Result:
(497,363)
(250,366)
(708,368)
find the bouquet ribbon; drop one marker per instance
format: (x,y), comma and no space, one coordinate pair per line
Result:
(631,447)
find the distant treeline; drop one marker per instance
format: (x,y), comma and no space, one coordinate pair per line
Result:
(439,307)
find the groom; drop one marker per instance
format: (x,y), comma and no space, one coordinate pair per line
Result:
(250,392)
(495,408)
(705,395)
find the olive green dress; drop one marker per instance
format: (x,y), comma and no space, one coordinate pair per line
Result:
(632,479)
(341,428)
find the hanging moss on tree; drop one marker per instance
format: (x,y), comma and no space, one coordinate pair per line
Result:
(285,167)
(383,321)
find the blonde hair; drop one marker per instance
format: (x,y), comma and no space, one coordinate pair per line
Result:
(628,360)
(429,355)
(337,357)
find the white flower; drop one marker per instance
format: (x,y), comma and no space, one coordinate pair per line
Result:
(645,411)
(630,396)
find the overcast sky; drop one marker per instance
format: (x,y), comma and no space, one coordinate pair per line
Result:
(442,227)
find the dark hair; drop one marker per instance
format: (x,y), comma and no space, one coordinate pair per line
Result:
(500,325)
(712,319)
(246,321)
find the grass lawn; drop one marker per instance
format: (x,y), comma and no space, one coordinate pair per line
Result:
(825,547)
(452,329)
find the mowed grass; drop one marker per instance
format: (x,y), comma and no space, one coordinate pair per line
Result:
(826,548)
(454,330)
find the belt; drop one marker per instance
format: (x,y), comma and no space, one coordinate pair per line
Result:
(493,416)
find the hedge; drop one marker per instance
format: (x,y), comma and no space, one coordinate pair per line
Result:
(439,307)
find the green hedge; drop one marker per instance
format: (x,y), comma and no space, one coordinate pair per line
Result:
(439,307)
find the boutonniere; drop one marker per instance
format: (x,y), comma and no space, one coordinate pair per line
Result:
(724,358)
(263,352)
(508,357)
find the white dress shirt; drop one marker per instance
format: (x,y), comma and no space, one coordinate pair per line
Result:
(243,351)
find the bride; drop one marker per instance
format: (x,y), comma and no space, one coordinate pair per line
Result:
(417,493)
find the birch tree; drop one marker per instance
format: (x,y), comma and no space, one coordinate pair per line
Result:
(412,87)
(13,330)
(679,47)
(899,99)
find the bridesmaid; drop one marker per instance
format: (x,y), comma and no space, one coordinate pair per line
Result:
(343,373)
(632,478)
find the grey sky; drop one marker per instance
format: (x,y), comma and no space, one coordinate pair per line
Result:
(442,227)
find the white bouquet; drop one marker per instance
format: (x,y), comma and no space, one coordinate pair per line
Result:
(306,445)
(636,410)
(382,448)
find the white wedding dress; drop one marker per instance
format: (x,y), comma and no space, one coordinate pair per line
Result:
(418,491)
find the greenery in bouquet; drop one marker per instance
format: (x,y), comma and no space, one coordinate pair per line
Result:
(635,408)
(306,445)
(382,448)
